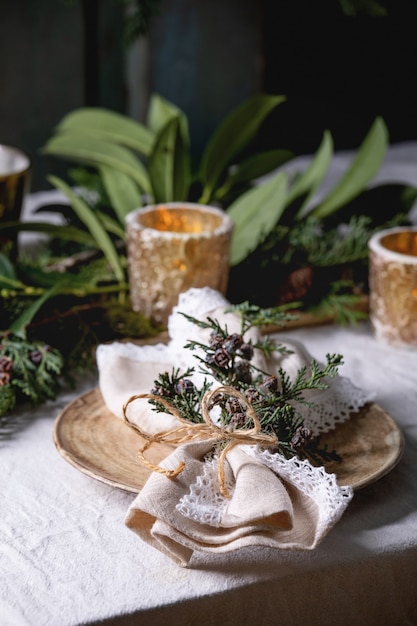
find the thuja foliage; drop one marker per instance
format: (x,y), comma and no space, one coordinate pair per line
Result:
(27,370)
(53,311)
(228,359)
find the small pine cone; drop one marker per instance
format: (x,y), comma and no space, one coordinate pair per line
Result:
(252,395)
(271,384)
(215,340)
(4,378)
(296,285)
(243,372)
(238,420)
(184,385)
(6,364)
(233,405)
(216,398)
(246,351)
(300,439)
(232,343)
(35,356)
(160,391)
(221,358)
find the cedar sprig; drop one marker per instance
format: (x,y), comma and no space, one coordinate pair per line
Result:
(227,359)
(181,392)
(253,316)
(27,369)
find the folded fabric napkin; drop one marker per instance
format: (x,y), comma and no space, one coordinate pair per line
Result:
(271,501)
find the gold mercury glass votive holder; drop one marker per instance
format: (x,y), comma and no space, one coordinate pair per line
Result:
(14,182)
(393,285)
(172,247)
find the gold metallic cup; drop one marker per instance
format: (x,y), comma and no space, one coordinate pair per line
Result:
(393,285)
(14,183)
(172,247)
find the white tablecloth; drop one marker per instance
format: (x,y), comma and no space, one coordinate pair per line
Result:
(66,557)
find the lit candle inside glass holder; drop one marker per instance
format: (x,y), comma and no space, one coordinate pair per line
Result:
(172,247)
(393,285)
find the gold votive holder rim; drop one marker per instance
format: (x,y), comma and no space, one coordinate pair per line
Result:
(13,162)
(180,219)
(397,244)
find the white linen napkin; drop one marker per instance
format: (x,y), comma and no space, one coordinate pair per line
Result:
(287,504)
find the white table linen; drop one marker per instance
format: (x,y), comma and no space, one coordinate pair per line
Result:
(66,557)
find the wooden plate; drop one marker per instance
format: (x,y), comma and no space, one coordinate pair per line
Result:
(100,445)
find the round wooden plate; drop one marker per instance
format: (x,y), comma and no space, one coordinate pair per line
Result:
(100,445)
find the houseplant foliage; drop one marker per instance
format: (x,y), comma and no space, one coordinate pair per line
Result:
(78,287)
(279,225)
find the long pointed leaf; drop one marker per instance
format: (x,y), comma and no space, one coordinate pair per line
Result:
(91,151)
(252,168)
(87,216)
(7,272)
(233,134)
(311,178)
(363,168)
(69,233)
(254,214)
(19,325)
(122,191)
(182,161)
(109,126)
(169,163)
(111,225)
(160,112)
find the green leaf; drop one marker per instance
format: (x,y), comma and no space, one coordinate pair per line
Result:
(88,217)
(19,325)
(182,161)
(252,168)
(169,166)
(160,112)
(363,168)
(7,268)
(91,151)
(254,214)
(46,278)
(122,190)
(111,225)
(69,233)
(108,126)
(233,134)
(308,182)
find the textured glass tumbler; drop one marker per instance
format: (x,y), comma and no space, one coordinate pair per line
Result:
(393,285)
(172,247)
(14,183)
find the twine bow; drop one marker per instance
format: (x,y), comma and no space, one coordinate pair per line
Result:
(188,431)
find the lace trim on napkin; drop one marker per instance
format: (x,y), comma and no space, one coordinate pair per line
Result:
(143,353)
(205,504)
(333,405)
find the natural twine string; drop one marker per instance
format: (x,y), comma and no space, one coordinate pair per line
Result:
(188,431)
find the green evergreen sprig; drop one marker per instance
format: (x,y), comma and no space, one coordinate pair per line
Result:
(183,395)
(27,369)
(227,358)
